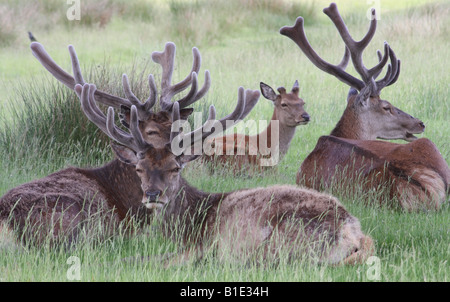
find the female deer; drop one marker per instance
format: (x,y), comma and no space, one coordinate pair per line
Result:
(240,150)
(415,173)
(240,223)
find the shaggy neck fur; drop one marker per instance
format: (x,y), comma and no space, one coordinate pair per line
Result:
(286,133)
(351,126)
(121,186)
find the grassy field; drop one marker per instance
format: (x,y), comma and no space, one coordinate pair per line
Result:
(42,129)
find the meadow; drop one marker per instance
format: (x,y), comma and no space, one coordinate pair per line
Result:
(42,128)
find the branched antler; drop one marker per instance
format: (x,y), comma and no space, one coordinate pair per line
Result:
(134,139)
(167,59)
(354,49)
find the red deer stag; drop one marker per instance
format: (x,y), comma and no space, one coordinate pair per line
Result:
(59,204)
(414,173)
(240,223)
(268,147)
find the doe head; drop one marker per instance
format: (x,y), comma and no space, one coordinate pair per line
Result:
(289,108)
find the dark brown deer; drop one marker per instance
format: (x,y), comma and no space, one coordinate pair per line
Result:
(415,173)
(57,206)
(269,146)
(261,221)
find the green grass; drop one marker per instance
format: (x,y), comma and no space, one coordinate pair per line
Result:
(42,130)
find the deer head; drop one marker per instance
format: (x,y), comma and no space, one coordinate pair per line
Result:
(370,116)
(288,106)
(159,168)
(154,126)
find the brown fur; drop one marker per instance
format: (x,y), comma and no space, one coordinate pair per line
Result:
(57,206)
(238,150)
(301,222)
(415,173)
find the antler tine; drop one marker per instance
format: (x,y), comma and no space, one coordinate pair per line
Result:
(143,108)
(193,94)
(246,101)
(394,78)
(44,58)
(238,113)
(76,69)
(376,70)
(175,119)
(90,109)
(166,59)
(251,99)
(150,102)
(356,48)
(393,71)
(68,80)
(134,140)
(297,34)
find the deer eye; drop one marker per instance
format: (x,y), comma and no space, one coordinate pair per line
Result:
(152,133)
(284,105)
(139,171)
(176,170)
(387,108)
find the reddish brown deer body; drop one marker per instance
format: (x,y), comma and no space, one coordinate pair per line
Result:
(239,150)
(300,222)
(58,205)
(415,173)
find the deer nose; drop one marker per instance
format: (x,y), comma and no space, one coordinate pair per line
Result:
(152,195)
(306,117)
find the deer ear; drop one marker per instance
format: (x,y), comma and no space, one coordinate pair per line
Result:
(295,88)
(184,159)
(268,92)
(124,154)
(185,113)
(352,92)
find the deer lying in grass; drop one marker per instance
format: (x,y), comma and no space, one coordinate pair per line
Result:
(269,146)
(241,223)
(59,205)
(415,173)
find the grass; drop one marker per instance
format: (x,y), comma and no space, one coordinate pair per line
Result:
(42,129)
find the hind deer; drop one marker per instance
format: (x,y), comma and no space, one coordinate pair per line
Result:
(240,150)
(57,206)
(241,223)
(415,173)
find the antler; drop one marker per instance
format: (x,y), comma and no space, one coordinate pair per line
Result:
(354,49)
(246,100)
(133,140)
(168,91)
(102,97)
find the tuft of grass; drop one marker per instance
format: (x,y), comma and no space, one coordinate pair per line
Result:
(45,119)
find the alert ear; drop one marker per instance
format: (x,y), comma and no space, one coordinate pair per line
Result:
(352,92)
(124,154)
(268,92)
(295,88)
